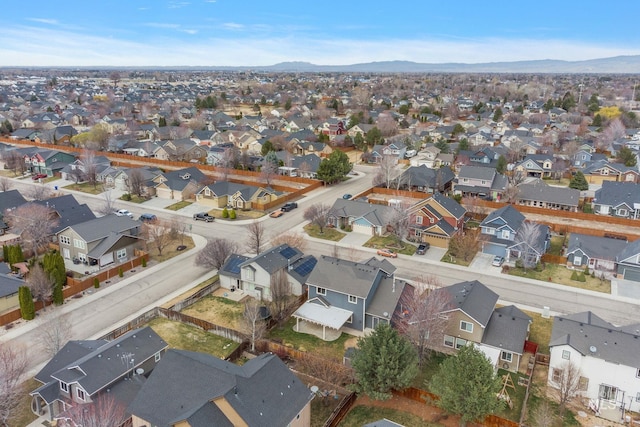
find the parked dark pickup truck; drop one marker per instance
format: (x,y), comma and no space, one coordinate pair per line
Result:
(203,216)
(289,206)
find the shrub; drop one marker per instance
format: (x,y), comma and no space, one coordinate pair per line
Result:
(232,214)
(225,213)
(582,278)
(539,267)
(519,263)
(120,272)
(96,282)
(144,262)
(586,270)
(574,275)
(593,274)
(27,306)
(127,197)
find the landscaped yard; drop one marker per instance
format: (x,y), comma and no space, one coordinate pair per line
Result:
(86,187)
(186,337)
(179,205)
(24,416)
(361,415)
(540,331)
(218,310)
(516,394)
(306,342)
(327,234)
(555,246)
(133,198)
(390,241)
(240,214)
(560,274)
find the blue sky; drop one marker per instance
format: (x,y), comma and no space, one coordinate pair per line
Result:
(327,32)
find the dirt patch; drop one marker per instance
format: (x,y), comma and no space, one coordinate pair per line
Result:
(218,310)
(351,342)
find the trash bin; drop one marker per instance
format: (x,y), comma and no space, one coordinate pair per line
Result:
(55,187)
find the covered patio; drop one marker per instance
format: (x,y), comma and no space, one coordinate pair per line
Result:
(316,315)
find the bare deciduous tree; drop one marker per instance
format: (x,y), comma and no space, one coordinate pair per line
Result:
(543,415)
(291,238)
(268,172)
(281,297)
(566,381)
(424,323)
(318,215)
(40,283)
(255,237)
(34,223)
(252,322)
(157,235)
(464,245)
(216,252)
(108,204)
(104,411)
(399,222)
(39,192)
(55,332)
(90,167)
(13,360)
(15,162)
(386,171)
(135,182)
(5,184)
(324,365)
(528,242)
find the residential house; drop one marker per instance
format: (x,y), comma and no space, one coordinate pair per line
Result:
(360,128)
(230,194)
(395,150)
(473,318)
(81,371)
(435,220)
(255,276)
(100,241)
(628,262)
(606,357)
(425,179)
(184,150)
(10,282)
(66,211)
(538,193)
(504,232)
(620,199)
(179,184)
(361,217)
(78,170)
(308,147)
(27,133)
(536,165)
(200,390)
(426,157)
(595,252)
(127,178)
(48,161)
(478,181)
(602,171)
(350,294)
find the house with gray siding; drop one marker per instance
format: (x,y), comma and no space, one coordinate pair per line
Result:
(628,262)
(350,294)
(479,181)
(595,252)
(361,216)
(620,199)
(538,193)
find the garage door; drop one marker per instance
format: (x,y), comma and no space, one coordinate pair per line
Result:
(490,248)
(106,259)
(363,229)
(164,193)
(630,274)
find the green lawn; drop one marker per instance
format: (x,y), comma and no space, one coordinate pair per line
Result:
(560,274)
(515,394)
(391,242)
(540,331)
(178,206)
(328,233)
(555,247)
(453,260)
(86,187)
(361,415)
(306,342)
(186,337)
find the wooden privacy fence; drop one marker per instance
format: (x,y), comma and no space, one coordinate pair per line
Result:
(341,410)
(553,259)
(192,299)
(202,324)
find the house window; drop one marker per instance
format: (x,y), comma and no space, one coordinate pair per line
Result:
(638,397)
(622,212)
(577,260)
(78,243)
(466,326)
(323,291)
(64,387)
(418,219)
(465,180)
(605,172)
(121,254)
(506,356)
(557,375)
(448,341)
(490,231)
(249,273)
(353,299)
(638,373)
(505,234)
(80,394)
(207,192)
(607,392)
(484,182)
(65,240)
(460,343)
(566,354)
(583,383)
(157,357)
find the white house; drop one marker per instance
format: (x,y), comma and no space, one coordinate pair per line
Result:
(607,357)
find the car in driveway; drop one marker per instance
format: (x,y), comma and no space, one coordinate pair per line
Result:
(276,214)
(289,206)
(422,248)
(497,261)
(387,253)
(124,212)
(39,176)
(203,216)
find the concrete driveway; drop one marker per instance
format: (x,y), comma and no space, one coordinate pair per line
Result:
(625,288)
(355,239)
(158,202)
(482,262)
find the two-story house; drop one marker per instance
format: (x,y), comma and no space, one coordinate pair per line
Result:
(82,370)
(504,233)
(200,390)
(478,181)
(255,276)
(606,357)
(48,161)
(101,241)
(435,220)
(473,318)
(617,199)
(628,262)
(394,150)
(231,194)
(536,165)
(179,184)
(350,294)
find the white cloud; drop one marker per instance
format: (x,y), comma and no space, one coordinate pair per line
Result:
(233,26)
(44,21)
(33,46)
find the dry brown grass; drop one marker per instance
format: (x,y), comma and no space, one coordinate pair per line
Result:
(218,310)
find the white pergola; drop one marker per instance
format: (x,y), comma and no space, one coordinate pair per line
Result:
(320,313)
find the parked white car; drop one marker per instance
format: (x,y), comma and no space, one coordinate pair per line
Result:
(124,212)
